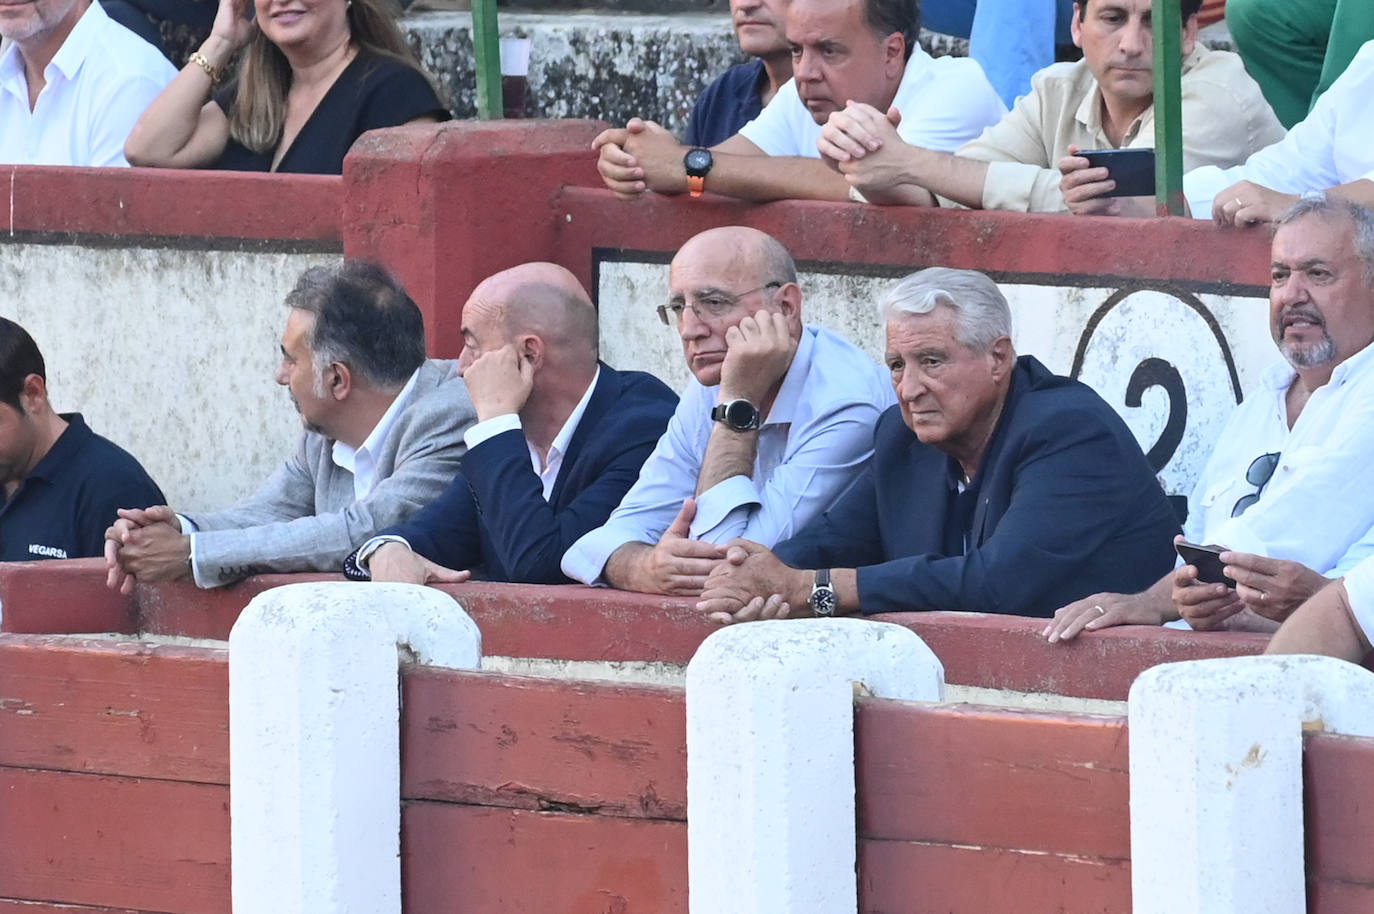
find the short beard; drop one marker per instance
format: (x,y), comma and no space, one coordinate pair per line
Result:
(1312,355)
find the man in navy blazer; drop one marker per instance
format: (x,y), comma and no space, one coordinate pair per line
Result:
(995,485)
(560,438)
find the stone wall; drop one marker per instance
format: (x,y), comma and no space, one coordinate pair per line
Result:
(594,65)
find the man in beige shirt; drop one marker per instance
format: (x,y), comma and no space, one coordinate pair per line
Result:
(1105,100)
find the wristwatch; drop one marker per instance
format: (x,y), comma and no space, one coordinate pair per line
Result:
(822,600)
(698,162)
(738,415)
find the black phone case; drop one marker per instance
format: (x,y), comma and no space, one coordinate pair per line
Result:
(1133,170)
(1207,562)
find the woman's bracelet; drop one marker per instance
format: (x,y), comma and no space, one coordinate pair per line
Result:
(203,62)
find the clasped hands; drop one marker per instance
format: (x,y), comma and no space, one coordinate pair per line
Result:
(640,156)
(862,143)
(145,544)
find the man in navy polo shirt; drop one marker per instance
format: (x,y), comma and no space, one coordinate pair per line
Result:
(62,482)
(738,95)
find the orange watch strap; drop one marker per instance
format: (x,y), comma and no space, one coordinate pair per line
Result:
(696,184)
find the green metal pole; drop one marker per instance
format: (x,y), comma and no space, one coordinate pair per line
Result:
(486,46)
(1168,65)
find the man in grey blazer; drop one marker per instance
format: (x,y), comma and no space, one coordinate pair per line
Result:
(383,437)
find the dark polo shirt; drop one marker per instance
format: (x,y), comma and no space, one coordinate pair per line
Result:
(62,508)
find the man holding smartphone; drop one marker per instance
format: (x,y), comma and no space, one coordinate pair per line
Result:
(1287,486)
(1104,101)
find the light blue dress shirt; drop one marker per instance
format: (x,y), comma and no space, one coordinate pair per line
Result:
(816,438)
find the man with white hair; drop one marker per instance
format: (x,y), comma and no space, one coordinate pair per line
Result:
(995,485)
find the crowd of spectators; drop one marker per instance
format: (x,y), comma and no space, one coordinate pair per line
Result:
(792,475)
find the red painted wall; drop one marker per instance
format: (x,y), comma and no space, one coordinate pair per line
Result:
(534,796)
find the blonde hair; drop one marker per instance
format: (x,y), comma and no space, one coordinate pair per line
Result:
(264,74)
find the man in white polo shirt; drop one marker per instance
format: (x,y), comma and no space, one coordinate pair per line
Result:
(842,50)
(72,83)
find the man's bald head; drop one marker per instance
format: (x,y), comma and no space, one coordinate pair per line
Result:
(543,299)
(720,277)
(739,248)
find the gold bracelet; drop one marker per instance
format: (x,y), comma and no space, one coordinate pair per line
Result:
(203,62)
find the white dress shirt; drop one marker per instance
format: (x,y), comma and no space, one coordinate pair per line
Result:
(945,102)
(1318,503)
(360,462)
(817,437)
(97,85)
(1333,145)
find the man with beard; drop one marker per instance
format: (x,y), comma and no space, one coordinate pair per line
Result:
(72,83)
(383,437)
(1286,490)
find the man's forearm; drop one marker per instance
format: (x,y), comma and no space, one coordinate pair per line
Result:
(761,178)
(728,453)
(950,176)
(622,569)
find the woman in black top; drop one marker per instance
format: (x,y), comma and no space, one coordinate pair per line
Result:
(314,75)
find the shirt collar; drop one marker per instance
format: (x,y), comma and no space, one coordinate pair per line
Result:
(81,42)
(345,456)
(1090,109)
(64,449)
(790,393)
(564,436)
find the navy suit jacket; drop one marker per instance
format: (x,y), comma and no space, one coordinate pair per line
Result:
(1064,505)
(493,518)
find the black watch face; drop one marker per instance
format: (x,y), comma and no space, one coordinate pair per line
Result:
(697,162)
(823,601)
(741,414)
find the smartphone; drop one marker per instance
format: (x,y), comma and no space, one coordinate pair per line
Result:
(1207,560)
(1133,170)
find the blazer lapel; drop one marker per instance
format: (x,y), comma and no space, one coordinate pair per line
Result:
(604,396)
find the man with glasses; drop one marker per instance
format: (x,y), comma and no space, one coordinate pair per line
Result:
(777,420)
(1287,488)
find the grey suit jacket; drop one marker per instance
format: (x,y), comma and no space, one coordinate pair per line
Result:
(306,518)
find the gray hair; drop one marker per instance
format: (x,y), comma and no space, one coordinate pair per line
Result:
(364,319)
(979,306)
(1361,218)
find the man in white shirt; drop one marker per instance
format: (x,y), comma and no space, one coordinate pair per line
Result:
(72,83)
(863,50)
(1104,101)
(1331,150)
(776,422)
(1286,489)
(383,437)
(560,438)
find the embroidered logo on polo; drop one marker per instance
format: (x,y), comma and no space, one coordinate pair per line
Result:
(47,552)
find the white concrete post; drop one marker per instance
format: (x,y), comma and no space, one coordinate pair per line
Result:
(770,758)
(314,740)
(1216,778)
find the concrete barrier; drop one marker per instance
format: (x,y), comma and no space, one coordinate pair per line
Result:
(770,758)
(314,742)
(1216,778)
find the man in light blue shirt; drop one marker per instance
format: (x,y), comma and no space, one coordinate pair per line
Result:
(775,424)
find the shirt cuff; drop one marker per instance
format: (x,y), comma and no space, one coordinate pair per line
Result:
(377,542)
(490,428)
(187,525)
(586,559)
(1201,186)
(715,504)
(203,582)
